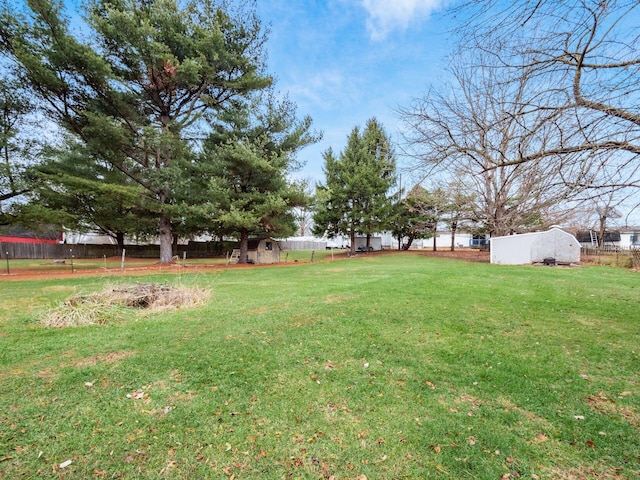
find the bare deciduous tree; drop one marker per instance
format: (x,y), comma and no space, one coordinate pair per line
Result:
(584,57)
(478,130)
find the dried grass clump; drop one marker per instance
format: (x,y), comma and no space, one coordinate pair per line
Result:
(155,297)
(115,304)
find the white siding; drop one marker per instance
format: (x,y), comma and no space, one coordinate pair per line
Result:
(630,239)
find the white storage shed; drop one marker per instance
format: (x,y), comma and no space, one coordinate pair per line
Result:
(555,246)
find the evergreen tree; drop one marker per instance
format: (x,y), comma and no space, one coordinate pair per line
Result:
(14,107)
(380,176)
(85,193)
(248,157)
(138,83)
(415,217)
(355,196)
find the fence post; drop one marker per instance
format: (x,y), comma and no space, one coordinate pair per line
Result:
(71,255)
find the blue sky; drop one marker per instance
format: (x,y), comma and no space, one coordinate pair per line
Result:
(345,61)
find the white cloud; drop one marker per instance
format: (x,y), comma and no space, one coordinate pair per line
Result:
(325,89)
(388,15)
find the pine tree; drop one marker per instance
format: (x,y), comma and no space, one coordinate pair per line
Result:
(248,157)
(14,107)
(415,217)
(380,165)
(355,197)
(84,193)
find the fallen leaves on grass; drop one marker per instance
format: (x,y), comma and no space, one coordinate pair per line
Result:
(137,395)
(540,438)
(605,405)
(113,304)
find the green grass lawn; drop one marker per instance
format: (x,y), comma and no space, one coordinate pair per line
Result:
(390,367)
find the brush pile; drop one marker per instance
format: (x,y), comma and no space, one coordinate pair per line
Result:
(116,303)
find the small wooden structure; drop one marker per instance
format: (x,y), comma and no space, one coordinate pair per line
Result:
(261,251)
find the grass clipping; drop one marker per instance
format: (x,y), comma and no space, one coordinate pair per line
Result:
(116,304)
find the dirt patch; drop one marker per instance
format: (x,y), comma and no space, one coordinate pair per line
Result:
(335,299)
(607,406)
(584,473)
(108,358)
(258,311)
(530,416)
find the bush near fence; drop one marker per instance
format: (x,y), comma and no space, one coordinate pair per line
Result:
(625,257)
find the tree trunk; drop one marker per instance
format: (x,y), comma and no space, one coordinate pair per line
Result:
(407,245)
(454,227)
(244,247)
(352,247)
(120,242)
(166,240)
(368,246)
(601,230)
(435,248)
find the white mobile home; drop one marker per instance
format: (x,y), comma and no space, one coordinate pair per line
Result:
(630,237)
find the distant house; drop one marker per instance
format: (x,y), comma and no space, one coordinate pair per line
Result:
(260,251)
(443,241)
(590,238)
(553,246)
(630,237)
(87,238)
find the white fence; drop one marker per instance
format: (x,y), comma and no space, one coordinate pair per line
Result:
(302,245)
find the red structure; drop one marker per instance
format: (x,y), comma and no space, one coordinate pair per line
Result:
(8,239)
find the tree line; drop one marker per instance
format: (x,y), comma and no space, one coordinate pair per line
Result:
(166,123)
(170,126)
